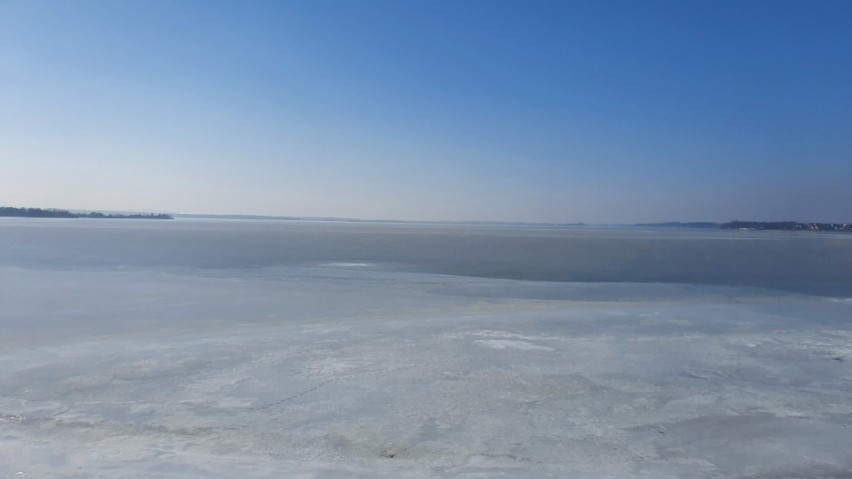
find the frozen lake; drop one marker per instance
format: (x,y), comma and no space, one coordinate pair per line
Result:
(220,349)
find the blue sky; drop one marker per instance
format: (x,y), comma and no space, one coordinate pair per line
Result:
(597,111)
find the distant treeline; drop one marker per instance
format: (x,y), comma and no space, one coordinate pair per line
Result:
(755,225)
(56,213)
(786,226)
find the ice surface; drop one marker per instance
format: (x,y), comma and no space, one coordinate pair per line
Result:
(118,359)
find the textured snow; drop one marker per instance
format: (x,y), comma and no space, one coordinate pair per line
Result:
(353,368)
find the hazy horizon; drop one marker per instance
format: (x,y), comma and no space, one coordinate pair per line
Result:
(407,220)
(558,112)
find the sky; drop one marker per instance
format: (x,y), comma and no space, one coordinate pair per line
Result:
(536,111)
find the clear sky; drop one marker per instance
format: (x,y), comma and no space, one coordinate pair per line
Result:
(594,111)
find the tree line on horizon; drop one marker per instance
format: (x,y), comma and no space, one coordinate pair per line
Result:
(785,226)
(755,225)
(59,213)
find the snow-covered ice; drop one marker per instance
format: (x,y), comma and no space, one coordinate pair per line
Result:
(118,359)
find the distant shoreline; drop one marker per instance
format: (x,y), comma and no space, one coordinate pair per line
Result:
(756,225)
(786,226)
(6,211)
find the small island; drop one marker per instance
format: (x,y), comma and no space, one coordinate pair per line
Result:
(57,213)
